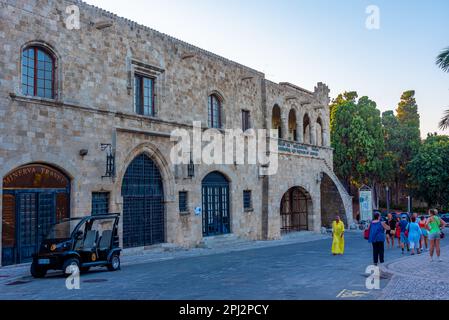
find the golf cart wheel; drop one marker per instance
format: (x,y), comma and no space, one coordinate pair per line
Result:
(37,271)
(70,265)
(114,264)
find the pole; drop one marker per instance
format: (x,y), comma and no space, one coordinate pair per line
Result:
(388,200)
(408,204)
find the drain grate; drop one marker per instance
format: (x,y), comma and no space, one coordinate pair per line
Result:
(95,280)
(17,283)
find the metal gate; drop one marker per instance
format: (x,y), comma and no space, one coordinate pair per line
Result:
(294,211)
(215,193)
(34,198)
(143,204)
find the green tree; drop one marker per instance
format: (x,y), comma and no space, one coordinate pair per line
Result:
(409,134)
(430,171)
(357,137)
(390,126)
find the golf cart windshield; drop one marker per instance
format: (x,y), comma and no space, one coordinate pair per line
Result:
(63,230)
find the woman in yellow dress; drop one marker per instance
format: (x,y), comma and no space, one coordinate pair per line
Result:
(338,233)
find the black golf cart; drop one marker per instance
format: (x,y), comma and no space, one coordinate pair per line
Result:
(79,243)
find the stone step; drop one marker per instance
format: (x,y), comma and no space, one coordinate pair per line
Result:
(222,240)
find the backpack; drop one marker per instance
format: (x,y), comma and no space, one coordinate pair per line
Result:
(367,232)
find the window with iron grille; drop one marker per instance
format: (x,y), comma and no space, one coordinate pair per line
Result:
(38,73)
(247,200)
(144,96)
(246,118)
(100,203)
(183,207)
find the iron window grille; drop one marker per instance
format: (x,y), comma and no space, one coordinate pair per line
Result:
(100,203)
(183,206)
(247,200)
(246,124)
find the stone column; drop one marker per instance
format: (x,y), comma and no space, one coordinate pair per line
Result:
(313,133)
(284,127)
(300,129)
(326,140)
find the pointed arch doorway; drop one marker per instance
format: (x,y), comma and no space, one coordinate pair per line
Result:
(215,198)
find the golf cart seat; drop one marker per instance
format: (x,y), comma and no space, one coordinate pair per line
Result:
(105,240)
(90,240)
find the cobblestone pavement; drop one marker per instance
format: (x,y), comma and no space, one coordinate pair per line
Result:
(416,278)
(297,267)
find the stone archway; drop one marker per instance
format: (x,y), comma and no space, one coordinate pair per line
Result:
(296,209)
(143,204)
(331,203)
(216,204)
(35,196)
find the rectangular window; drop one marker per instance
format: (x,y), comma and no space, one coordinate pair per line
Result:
(183,207)
(144,96)
(247,200)
(100,203)
(246,117)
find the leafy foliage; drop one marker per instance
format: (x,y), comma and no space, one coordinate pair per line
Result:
(443,60)
(357,137)
(430,171)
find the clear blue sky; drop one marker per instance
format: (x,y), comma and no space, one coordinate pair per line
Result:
(307,41)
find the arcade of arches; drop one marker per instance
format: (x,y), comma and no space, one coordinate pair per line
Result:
(297,129)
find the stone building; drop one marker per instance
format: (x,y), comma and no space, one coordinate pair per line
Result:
(86,116)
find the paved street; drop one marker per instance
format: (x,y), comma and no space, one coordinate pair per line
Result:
(291,271)
(416,278)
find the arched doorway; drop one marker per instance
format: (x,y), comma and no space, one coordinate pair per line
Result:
(35,197)
(295,207)
(276,122)
(143,204)
(216,213)
(331,203)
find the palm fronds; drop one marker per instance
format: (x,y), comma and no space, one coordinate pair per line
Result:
(443,60)
(444,123)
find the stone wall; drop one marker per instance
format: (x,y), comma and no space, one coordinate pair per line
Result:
(94,104)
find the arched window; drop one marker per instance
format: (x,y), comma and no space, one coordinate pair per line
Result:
(214,111)
(292,125)
(306,128)
(276,120)
(319,133)
(38,72)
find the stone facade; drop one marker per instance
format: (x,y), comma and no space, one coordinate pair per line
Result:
(94,105)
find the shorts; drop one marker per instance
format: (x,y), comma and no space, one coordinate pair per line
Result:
(434,236)
(425,232)
(404,239)
(414,245)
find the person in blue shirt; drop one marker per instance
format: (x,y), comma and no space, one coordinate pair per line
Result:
(377,238)
(414,235)
(404,239)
